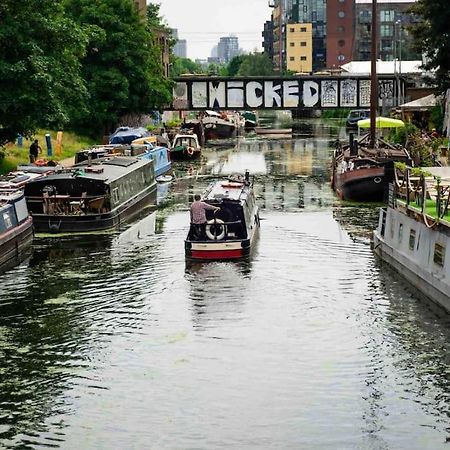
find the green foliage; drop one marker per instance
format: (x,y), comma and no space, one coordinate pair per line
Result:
(256,64)
(437,117)
(234,65)
(335,113)
(122,67)
(180,66)
(431,37)
(400,135)
(40,77)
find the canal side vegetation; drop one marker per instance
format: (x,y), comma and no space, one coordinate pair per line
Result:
(76,66)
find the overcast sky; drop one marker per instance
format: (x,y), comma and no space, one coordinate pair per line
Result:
(203,22)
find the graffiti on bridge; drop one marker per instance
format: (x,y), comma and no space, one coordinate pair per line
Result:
(278,93)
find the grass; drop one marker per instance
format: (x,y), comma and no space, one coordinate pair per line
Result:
(15,155)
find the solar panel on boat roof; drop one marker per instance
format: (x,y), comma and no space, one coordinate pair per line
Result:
(118,161)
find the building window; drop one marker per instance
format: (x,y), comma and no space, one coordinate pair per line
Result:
(302,44)
(412,239)
(303,58)
(291,58)
(292,44)
(341,14)
(292,30)
(341,42)
(386,30)
(400,233)
(303,29)
(340,29)
(387,15)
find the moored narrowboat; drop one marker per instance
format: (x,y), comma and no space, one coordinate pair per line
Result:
(92,196)
(159,154)
(185,147)
(16,227)
(231,232)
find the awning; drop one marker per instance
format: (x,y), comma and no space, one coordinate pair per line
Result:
(382,122)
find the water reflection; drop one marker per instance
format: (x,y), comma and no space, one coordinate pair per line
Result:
(314,342)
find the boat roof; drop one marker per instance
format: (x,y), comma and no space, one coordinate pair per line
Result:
(7,196)
(106,170)
(226,190)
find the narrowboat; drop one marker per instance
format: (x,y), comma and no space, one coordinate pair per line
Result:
(16,227)
(413,233)
(185,147)
(231,232)
(219,125)
(91,196)
(160,155)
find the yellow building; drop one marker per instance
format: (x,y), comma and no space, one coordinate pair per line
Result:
(299,47)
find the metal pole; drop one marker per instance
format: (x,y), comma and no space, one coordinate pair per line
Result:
(281,37)
(400,58)
(373,76)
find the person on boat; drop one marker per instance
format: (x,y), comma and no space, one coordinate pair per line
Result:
(35,149)
(198,216)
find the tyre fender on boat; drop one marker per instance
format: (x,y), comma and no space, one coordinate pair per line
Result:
(190,151)
(219,224)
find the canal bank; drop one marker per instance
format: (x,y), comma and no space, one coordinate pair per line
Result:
(117,343)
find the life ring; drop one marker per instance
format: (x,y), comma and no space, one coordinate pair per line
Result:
(190,151)
(218,224)
(377,180)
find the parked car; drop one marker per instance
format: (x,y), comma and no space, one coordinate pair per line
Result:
(356,114)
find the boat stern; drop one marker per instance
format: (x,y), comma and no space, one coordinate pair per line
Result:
(215,251)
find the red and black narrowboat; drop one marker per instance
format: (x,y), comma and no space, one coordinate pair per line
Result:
(232,231)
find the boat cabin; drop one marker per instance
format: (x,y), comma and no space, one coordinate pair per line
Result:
(229,233)
(102,187)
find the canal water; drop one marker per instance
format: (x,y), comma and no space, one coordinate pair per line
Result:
(114,342)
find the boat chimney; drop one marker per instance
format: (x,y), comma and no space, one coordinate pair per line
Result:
(353,145)
(247,176)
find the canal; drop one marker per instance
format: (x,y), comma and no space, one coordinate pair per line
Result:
(113,342)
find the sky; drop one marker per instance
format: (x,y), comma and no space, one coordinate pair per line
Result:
(203,22)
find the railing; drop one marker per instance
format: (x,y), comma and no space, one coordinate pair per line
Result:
(61,204)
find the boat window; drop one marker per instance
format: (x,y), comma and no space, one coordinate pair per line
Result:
(391,228)
(439,254)
(7,220)
(412,239)
(115,195)
(400,232)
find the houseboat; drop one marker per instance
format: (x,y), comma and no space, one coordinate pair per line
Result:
(361,173)
(219,125)
(413,233)
(160,155)
(185,147)
(231,232)
(91,196)
(16,227)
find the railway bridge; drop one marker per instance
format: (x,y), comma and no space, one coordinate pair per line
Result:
(295,92)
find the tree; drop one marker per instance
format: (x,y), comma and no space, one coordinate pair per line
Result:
(39,66)
(122,68)
(180,66)
(256,64)
(234,65)
(431,38)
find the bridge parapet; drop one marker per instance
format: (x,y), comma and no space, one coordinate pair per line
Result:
(315,92)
